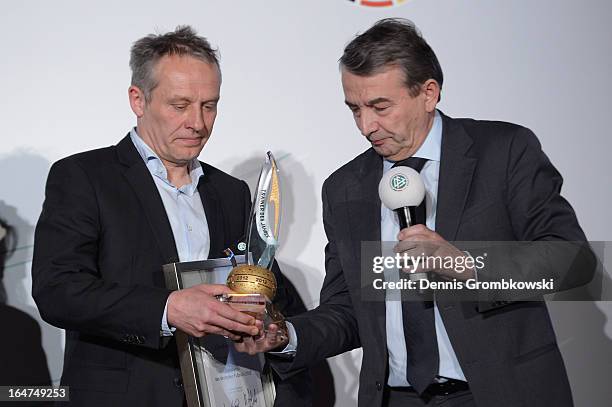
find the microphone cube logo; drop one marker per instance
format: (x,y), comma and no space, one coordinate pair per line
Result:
(377,3)
(398,182)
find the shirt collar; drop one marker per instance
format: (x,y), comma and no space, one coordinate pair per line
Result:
(431,147)
(157,169)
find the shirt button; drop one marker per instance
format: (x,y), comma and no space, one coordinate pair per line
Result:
(378,386)
(190,228)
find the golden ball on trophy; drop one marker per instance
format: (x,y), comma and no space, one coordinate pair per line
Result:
(249,279)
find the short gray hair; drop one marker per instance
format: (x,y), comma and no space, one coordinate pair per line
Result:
(393,42)
(147,51)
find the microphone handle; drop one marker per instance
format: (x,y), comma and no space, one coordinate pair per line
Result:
(406,216)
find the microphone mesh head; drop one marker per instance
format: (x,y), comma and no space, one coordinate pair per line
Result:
(400,187)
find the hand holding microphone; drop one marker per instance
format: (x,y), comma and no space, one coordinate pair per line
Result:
(401,189)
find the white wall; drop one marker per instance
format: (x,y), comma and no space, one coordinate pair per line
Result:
(542,63)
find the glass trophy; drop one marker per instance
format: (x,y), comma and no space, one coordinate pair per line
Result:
(254,283)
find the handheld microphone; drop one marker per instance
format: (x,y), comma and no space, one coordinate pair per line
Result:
(401,189)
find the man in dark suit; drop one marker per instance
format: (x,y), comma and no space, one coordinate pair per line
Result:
(112,217)
(484,181)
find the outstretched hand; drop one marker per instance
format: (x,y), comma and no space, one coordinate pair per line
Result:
(269,339)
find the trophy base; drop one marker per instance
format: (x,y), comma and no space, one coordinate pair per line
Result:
(259,307)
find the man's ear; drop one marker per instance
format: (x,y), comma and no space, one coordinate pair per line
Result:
(431,90)
(137,100)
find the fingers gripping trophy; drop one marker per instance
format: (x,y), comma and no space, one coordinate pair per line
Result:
(254,282)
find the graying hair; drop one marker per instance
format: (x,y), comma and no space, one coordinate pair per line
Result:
(389,42)
(147,51)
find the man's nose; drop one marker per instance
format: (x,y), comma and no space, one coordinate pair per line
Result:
(368,123)
(196,119)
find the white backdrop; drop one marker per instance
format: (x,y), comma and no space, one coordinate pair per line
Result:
(545,64)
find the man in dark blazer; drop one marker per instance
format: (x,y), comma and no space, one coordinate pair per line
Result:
(485,181)
(112,217)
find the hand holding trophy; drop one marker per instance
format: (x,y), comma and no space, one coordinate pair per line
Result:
(254,282)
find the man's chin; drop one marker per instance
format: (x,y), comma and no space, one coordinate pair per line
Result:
(391,155)
(183,159)
(384,152)
(189,153)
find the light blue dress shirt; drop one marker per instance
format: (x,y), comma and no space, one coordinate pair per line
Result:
(389,229)
(183,207)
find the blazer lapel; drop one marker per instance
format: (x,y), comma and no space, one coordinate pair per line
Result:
(214,216)
(456,171)
(362,199)
(363,206)
(139,177)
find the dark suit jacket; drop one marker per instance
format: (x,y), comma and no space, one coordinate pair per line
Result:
(101,240)
(495,184)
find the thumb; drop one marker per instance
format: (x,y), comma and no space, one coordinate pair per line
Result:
(216,289)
